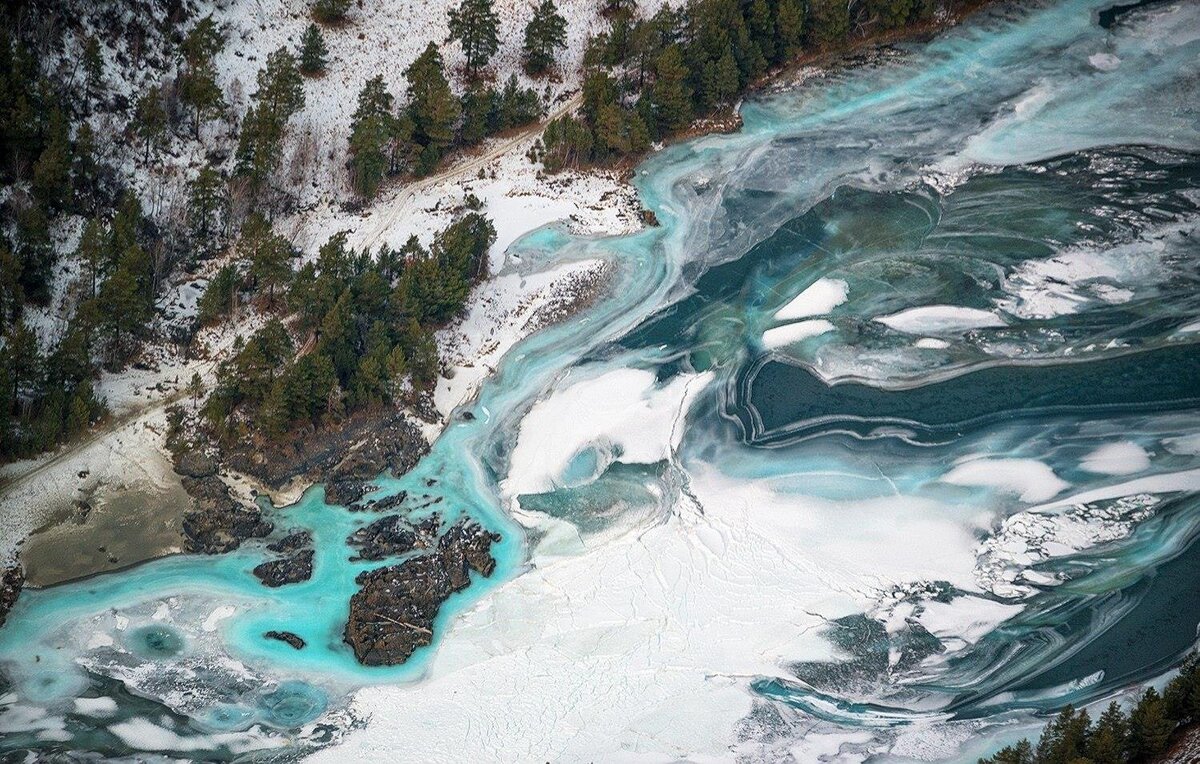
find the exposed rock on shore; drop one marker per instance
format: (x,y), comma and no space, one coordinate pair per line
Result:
(345,458)
(10,588)
(392,614)
(217,522)
(289,570)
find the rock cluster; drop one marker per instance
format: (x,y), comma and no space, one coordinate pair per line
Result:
(293,639)
(288,570)
(392,614)
(10,588)
(217,522)
(392,535)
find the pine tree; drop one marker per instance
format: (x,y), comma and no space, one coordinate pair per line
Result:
(280,89)
(828,22)
(208,204)
(149,119)
(726,82)
(789,25)
(371,129)
(330,11)
(516,106)
(671,96)
(313,52)
(761,25)
(24,359)
(93,67)
(478,107)
(1108,741)
(52,172)
(269,255)
(91,253)
(280,94)
(545,33)
(1021,753)
(1064,740)
(199,89)
(1149,726)
(890,13)
(474,24)
(432,107)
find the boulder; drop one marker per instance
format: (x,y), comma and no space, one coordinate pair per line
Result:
(289,570)
(291,638)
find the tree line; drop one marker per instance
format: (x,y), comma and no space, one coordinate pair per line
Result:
(1116,737)
(365,325)
(646,79)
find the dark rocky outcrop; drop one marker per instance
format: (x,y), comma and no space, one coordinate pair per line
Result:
(291,638)
(217,523)
(194,464)
(466,547)
(346,457)
(392,614)
(386,537)
(292,542)
(379,505)
(289,570)
(10,588)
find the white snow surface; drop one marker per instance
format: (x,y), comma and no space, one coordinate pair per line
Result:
(1122,458)
(1030,479)
(641,647)
(940,319)
(623,415)
(822,296)
(788,334)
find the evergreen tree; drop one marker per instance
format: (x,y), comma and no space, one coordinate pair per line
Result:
(515,106)
(199,89)
(1065,739)
(726,84)
(545,33)
(280,94)
(93,67)
(474,24)
(1149,726)
(313,52)
(220,296)
(478,107)
(149,119)
(890,13)
(761,24)
(52,172)
(671,96)
(1021,753)
(789,26)
(24,360)
(208,204)
(91,255)
(828,23)
(372,128)
(269,255)
(330,11)
(432,107)
(1108,741)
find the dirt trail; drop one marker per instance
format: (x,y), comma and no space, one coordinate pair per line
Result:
(384,216)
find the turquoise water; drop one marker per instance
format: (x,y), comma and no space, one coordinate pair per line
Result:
(1032,165)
